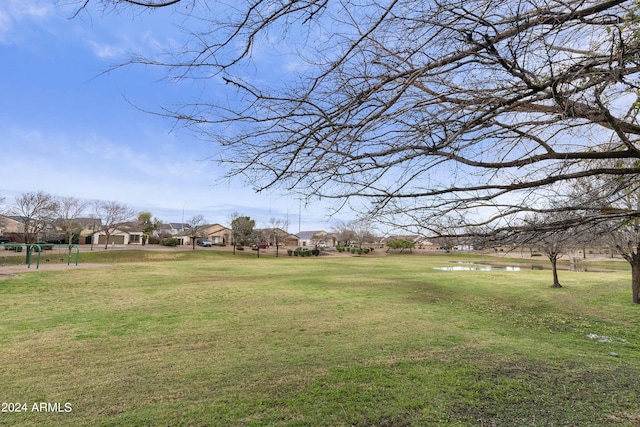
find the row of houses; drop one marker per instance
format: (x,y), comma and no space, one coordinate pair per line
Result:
(90,231)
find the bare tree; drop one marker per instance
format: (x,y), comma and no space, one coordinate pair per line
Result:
(363,231)
(610,206)
(465,112)
(277,227)
(554,242)
(623,231)
(82,5)
(626,239)
(69,209)
(422,111)
(36,211)
(112,215)
(344,232)
(194,228)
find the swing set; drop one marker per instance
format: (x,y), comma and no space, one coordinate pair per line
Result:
(40,247)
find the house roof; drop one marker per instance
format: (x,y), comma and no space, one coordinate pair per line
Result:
(17,218)
(178,225)
(212,228)
(306,234)
(131,227)
(88,222)
(318,234)
(281,233)
(10,225)
(173,226)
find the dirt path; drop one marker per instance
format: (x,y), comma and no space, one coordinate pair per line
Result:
(11,270)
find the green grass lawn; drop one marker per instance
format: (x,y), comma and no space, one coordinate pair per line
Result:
(206,338)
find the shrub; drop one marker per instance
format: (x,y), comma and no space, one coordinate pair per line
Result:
(169,242)
(239,248)
(401,244)
(290,252)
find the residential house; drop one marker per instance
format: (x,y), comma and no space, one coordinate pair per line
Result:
(128,233)
(318,238)
(88,227)
(284,238)
(218,234)
(171,229)
(12,228)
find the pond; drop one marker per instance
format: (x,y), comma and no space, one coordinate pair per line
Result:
(478,267)
(470,266)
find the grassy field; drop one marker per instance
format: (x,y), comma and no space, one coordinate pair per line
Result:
(206,338)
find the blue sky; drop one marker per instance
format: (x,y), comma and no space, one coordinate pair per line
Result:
(69,129)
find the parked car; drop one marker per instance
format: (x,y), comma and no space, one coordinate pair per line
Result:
(206,243)
(261,246)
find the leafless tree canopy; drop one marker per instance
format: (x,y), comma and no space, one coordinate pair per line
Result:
(36,210)
(423,109)
(69,209)
(194,228)
(112,215)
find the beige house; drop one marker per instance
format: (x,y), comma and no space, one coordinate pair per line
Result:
(129,233)
(270,235)
(316,238)
(218,234)
(11,228)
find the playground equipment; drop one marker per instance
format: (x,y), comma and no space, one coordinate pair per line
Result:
(39,248)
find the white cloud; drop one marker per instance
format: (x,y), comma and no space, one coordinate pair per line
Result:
(107,50)
(13,13)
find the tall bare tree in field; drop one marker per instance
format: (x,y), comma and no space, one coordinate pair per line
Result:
(619,198)
(36,211)
(194,228)
(278,226)
(69,209)
(112,215)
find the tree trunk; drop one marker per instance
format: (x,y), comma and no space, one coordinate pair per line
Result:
(635,278)
(554,267)
(27,240)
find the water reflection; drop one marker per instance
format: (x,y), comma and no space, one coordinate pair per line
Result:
(477,268)
(469,266)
